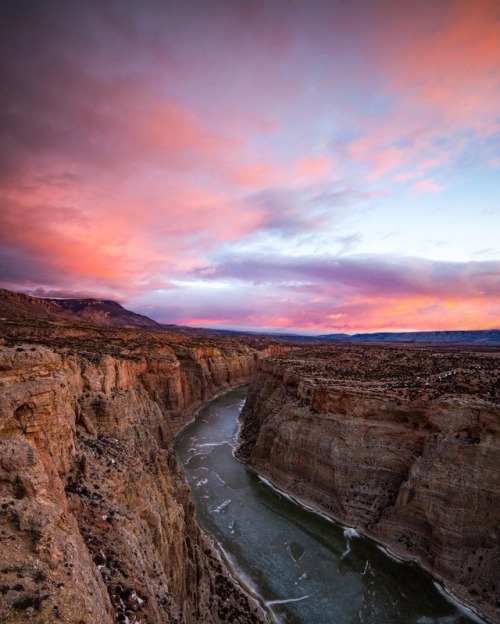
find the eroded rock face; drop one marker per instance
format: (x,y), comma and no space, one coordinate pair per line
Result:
(96,523)
(409,456)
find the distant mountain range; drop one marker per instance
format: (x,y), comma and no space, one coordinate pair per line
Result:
(106,313)
(480,336)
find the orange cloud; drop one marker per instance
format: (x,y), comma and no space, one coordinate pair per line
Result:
(360,314)
(419,314)
(123,241)
(353,294)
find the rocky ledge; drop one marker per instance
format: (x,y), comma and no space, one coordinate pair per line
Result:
(401,443)
(96,520)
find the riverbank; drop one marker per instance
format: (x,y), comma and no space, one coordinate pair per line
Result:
(302,567)
(309,506)
(401,444)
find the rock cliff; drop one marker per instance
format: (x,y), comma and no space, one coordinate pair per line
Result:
(96,521)
(402,444)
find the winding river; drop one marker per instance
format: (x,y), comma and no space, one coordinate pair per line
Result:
(302,567)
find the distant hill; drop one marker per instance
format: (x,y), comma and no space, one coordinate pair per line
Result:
(20,307)
(16,306)
(104,313)
(480,336)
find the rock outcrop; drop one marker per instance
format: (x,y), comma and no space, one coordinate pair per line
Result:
(96,521)
(402,444)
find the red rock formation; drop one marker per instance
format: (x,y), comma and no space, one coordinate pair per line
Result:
(363,434)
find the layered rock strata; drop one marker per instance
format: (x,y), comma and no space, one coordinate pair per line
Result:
(96,521)
(403,444)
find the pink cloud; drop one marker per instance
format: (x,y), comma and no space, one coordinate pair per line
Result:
(260,175)
(376,152)
(494,163)
(139,142)
(359,314)
(404,176)
(355,294)
(427,186)
(314,168)
(438,69)
(454,68)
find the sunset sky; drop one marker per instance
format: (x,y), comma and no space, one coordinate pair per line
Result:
(295,165)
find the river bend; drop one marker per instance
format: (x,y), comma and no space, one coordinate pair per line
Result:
(304,568)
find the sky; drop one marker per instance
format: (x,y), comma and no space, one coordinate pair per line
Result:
(312,166)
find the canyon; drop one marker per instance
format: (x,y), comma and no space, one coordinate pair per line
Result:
(96,519)
(401,443)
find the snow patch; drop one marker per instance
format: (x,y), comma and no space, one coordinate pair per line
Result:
(350,532)
(222,506)
(275,602)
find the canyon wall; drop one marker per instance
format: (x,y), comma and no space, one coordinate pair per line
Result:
(96,521)
(407,462)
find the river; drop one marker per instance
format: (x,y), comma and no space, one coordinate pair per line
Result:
(302,567)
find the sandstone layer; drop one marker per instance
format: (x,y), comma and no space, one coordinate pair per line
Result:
(96,521)
(401,443)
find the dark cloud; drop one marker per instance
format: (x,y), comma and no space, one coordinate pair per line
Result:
(89,82)
(291,212)
(385,276)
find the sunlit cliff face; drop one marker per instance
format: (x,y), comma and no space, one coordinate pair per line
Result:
(314,166)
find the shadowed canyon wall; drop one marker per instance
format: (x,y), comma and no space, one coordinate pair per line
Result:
(402,444)
(96,521)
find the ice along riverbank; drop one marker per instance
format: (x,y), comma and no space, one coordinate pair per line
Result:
(303,567)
